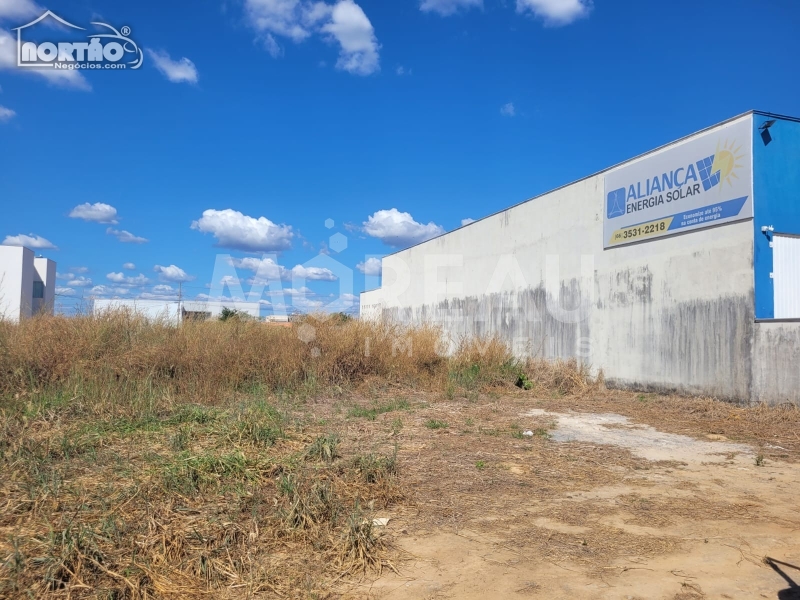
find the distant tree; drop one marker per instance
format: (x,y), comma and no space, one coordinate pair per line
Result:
(232,314)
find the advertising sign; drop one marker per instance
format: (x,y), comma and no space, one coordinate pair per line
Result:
(699,183)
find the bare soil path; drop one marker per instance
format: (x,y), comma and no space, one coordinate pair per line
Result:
(593,504)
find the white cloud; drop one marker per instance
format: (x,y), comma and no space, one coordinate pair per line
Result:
(177,71)
(152,296)
(240,232)
(126,237)
(286,18)
(267,269)
(448,7)
(353,30)
(314,273)
(64,291)
(62,77)
(467,221)
(556,12)
(372,266)
(303,291)
(401,70)
(73,280)
(19,9)
(160,292)
(228,280)
(508,110)
(399,229)
(345,22)
(79,269)
(105,290)
(6,114)
(129,266)
(126,280)
(31,241)
(302,298)
(173,274)
(79,282)
(97,212)
(307,303)
(272,46)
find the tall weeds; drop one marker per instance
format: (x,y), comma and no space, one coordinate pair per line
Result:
(121,356)
(143,460)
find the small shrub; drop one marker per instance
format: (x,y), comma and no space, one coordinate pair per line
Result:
(193,413)
(397,425)
(360,546)
(324,448)
(181,438)
(310,503)
(378,409)
(374,468)
(232,314)
(524,383)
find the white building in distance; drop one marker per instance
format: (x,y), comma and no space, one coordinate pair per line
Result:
(174,311)
(27,283)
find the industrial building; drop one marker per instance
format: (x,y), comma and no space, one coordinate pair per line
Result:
(175,311)
(27,283)
(678,270)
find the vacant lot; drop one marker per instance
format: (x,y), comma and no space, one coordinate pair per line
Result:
(134,468)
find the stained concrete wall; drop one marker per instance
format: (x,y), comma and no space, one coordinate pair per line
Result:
(776,362)
(675,313)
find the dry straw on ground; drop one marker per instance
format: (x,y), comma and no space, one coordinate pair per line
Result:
(141,460)
(144,460)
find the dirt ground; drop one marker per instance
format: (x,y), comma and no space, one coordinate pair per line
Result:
(611,495)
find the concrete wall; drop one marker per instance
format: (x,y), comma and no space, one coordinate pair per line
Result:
(44,270)
(215,308)
(16,282)
(776,363)
(151,309)
(172,311)
(675,313)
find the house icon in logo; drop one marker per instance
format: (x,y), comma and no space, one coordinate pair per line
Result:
(47,13)
(105,50)
(615,206)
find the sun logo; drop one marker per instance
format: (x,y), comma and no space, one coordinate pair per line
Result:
(726,161)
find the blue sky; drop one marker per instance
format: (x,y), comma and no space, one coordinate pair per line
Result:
(253,122)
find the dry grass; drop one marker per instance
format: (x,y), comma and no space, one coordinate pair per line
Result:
(122,353)
(236,501)
(142,460)
(235,459)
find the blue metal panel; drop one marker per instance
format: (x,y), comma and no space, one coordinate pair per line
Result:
(776,197)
